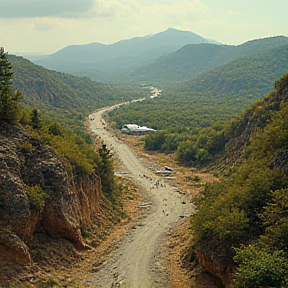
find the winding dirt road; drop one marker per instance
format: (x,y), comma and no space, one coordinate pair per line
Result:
(133,264)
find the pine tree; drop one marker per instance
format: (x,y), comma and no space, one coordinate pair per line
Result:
(35,119)
(9,101)
(107,172)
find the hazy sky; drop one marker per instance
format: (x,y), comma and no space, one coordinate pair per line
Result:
(46,26)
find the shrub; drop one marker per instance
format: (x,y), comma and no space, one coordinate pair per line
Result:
(27,147)
(36,196)
(259,267)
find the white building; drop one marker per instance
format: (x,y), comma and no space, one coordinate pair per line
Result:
(134,129)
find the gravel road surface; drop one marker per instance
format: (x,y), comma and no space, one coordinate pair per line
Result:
(134,263)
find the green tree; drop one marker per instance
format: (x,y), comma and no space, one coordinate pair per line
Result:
(260,267)
(202,156)
(154,142)
(216,143)
(275,218)
(186,152)
(107,171)
(35,119)
(55,129)
(9,101)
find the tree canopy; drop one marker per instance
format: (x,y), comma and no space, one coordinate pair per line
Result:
(244,217)
(9,101)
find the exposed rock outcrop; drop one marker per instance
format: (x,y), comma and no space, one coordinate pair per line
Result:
(280,161)
(13,249)
(69,202)
(225,272)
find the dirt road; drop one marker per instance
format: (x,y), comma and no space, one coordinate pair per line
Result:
(133,264)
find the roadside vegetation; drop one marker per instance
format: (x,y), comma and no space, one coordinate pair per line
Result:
(243,218)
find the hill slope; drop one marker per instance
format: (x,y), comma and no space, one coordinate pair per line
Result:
(242,222)
(54,91)
(192,59)
(217,94)
(121,54)
(250,75)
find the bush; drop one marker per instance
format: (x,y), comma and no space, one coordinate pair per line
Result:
(27,147)
(154,142)
(202,156)
(36,196)
(260,267)
(186,152)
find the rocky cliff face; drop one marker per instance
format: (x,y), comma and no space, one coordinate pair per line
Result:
(60,206)
(225,272)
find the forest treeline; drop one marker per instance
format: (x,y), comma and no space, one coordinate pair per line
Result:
(243,219)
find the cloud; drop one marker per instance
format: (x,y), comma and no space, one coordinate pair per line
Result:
(115,8)
(44,8)
(147,8)
(181,10)
(235,13)
(99,8)
(44,27)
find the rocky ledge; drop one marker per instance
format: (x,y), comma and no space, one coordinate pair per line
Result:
(38,193)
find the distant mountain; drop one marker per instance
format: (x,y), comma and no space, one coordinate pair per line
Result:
(30,56)
(192,59)
(247,77)
(125,53)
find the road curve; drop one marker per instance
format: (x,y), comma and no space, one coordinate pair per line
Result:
(131,264)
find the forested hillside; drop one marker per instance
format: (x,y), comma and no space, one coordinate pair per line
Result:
(191,60)
(198,112)
(241,225)
(252,75)
(64,96)
(126,53)
(54,184)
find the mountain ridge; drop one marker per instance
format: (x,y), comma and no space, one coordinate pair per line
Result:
(232,71)
(166,41)
(192,59)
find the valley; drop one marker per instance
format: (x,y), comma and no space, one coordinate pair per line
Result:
(133,263)
(83,205)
